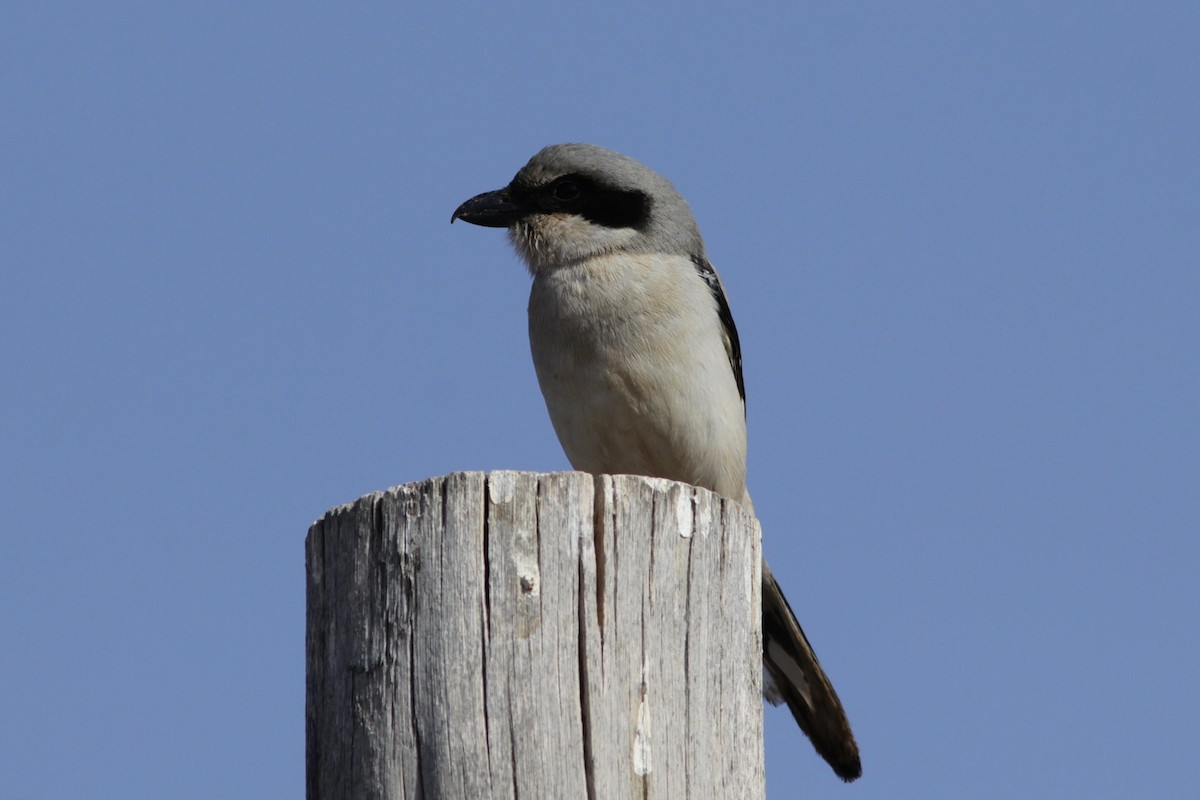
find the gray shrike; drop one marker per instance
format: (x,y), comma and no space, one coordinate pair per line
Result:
(639,361)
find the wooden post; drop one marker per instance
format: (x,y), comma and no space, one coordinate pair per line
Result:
(520,635)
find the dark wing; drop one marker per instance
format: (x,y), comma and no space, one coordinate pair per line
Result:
(732,346)
(787,655)
(802,683)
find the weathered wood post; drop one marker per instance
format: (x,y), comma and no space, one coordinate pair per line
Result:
(521,635)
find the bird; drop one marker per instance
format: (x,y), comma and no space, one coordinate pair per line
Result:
(640,365)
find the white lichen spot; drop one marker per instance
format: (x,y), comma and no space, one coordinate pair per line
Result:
(502,485)
(703,521)
(642,761)
(683,514)
(657,484)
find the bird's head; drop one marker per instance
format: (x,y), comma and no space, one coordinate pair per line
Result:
(578,201)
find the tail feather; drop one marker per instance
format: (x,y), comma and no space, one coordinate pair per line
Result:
(797,679)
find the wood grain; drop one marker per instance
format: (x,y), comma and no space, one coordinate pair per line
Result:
(523,635)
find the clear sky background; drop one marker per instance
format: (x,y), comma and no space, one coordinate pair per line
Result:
(960,242)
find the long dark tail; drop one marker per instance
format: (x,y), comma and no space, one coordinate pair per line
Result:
(801,683)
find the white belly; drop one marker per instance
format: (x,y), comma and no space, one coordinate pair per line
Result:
(635,373)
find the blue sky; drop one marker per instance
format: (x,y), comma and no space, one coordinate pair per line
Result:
(960,242)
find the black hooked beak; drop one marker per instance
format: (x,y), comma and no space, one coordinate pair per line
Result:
(491,209)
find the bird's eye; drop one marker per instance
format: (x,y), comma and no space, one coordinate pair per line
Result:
(566,191)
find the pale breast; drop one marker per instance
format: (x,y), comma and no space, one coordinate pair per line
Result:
(630,358)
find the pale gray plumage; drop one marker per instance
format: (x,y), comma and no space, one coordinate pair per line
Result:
(640,365)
